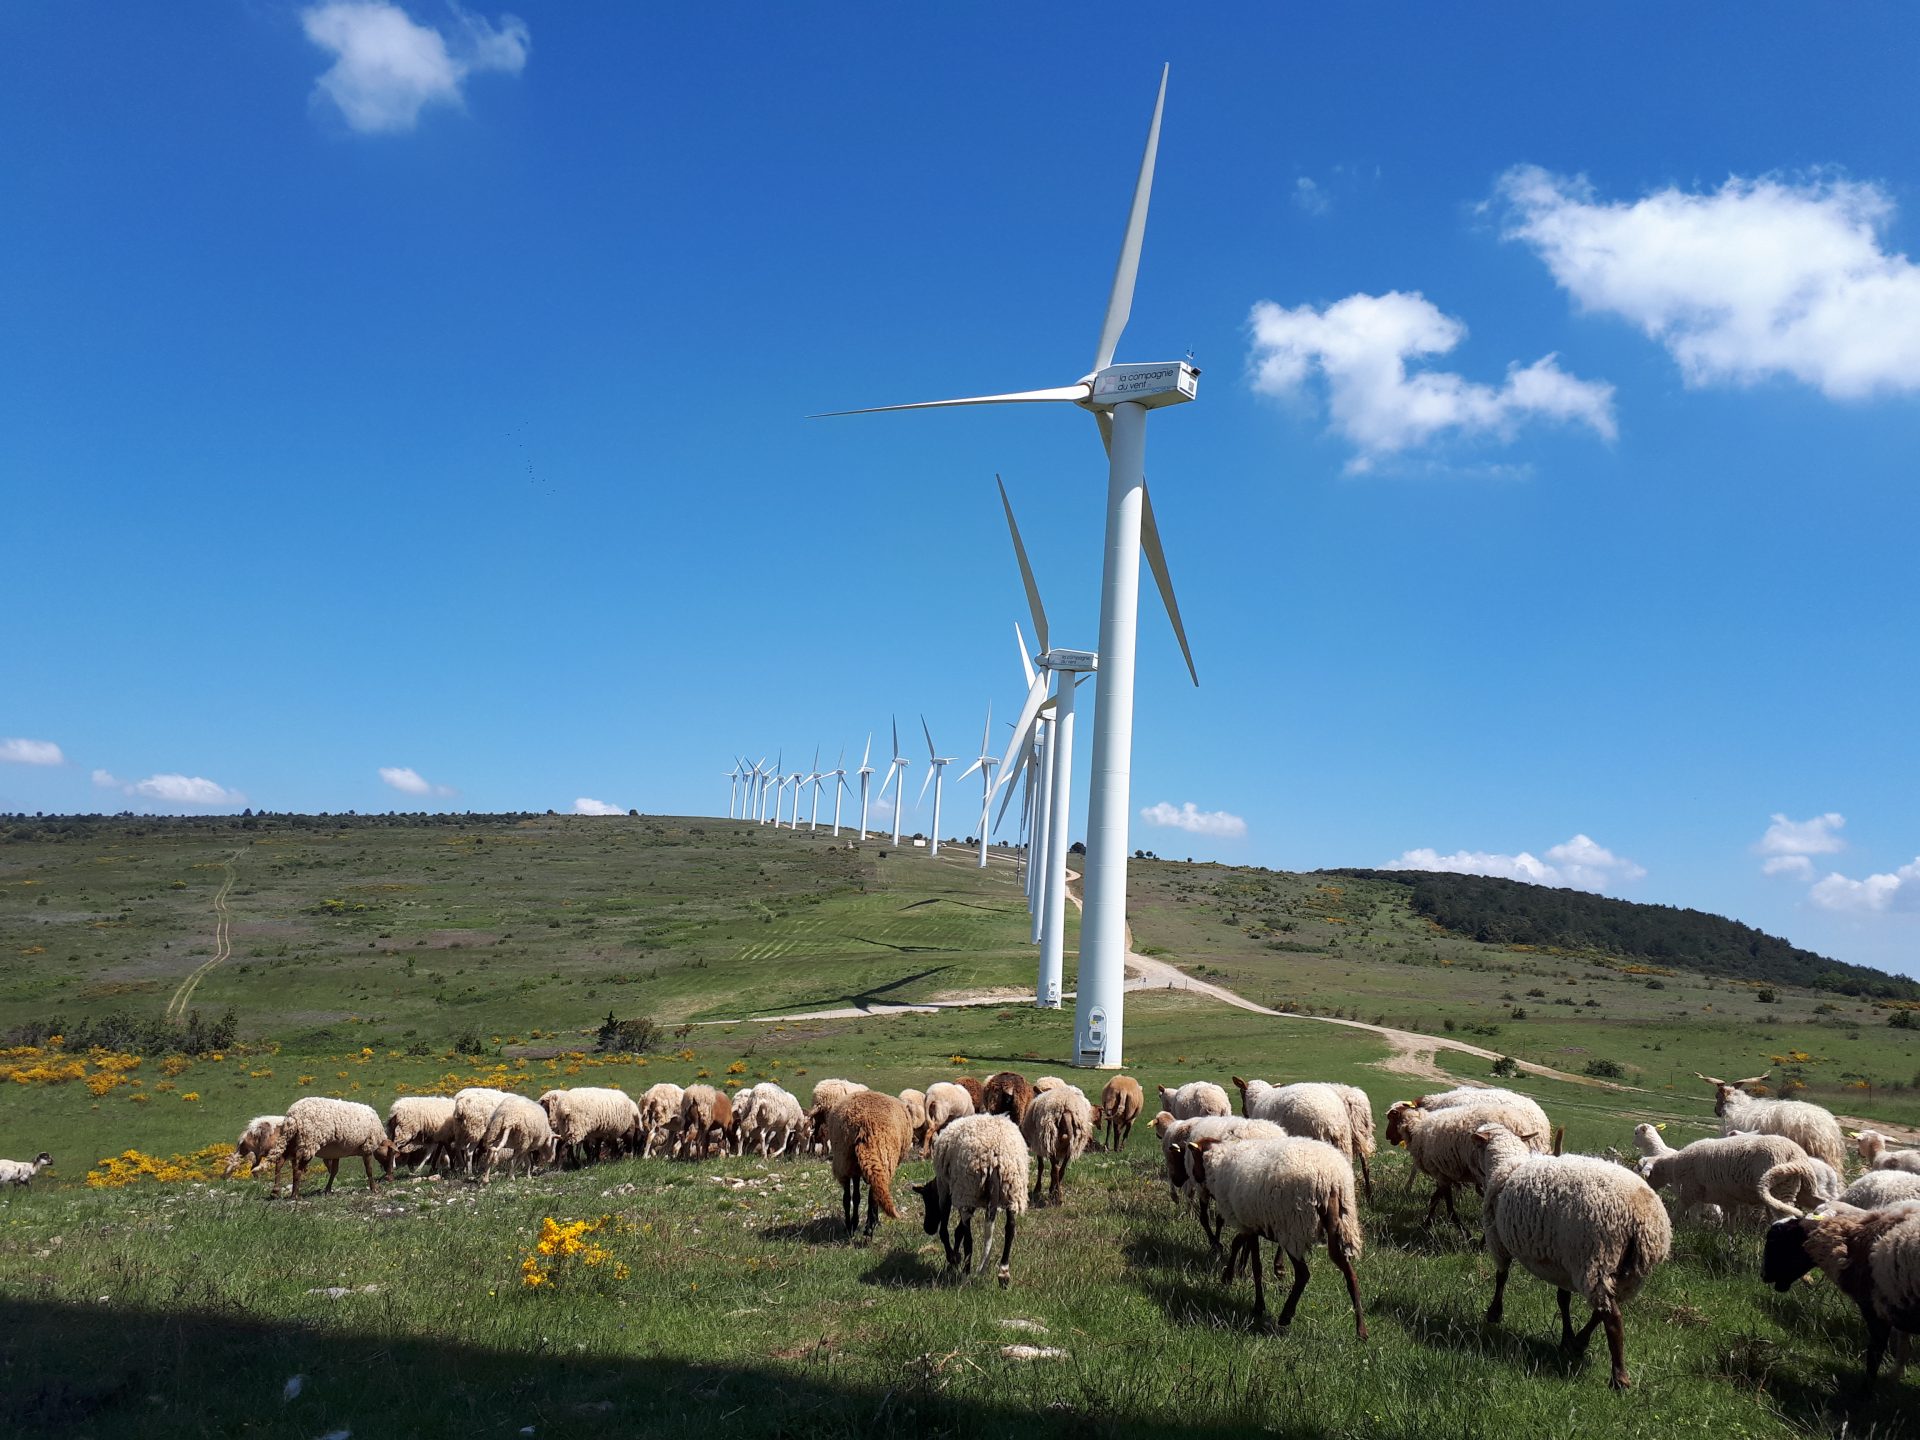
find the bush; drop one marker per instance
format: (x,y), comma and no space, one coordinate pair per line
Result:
(627,1037)
(1605,1069)
(1903,1020)
(132,1035)
(1656,983)
(1505,1067)
(470,1041)
(1768,995)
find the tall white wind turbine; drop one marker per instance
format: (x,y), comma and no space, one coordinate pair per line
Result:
(984,764)
(936,771)
(865,772)
(840,789)
(813,815)
(733,792)
(897,778)
(1119,397)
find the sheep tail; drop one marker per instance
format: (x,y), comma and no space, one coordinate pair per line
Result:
(878,1177)
(1559,1139)
(1340,1224)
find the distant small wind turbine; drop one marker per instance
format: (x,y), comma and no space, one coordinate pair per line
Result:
(840,789)
(984,764)
(733,792)
(865,772)
(937,768)
(896,777)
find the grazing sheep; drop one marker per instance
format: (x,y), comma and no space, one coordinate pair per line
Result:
(1440,1143)
(1579,1223)
(1872,1255)
(519,1132)
(745,1103)
(868,1134)
(1521,1107)
(1175,1138)
(946,1102)
(472,1108)
(1007,1093)
(979,1163)
(1194,1099)
(1878,1189)
(421,1128)
(916,1103)
(1730,1171)
(660,1117)
(1810,1127)
(1120,1105)
(976,1092)
(588,1118)
(318,1127)
(1873,1150)
(1298,1194)
(1316,1111)
(21,1172)
(255,1142)
(826,1095)
(1046,1083)
(774,1120)
(705,1114)
(1058,1128)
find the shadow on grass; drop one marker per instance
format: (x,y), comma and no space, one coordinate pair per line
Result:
(873,994)
(820,1230)
(93,1371)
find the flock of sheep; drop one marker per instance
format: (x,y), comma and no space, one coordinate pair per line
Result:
(1282,1171)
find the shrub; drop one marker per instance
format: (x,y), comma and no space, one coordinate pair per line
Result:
(627,1036)
(1768,995)
(1605,1069)
(1505,1067)
(1903,1020)
(1656,983)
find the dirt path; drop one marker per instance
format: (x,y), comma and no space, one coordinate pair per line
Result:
(222,945)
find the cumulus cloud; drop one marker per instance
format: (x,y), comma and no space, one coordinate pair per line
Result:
(1360,347)
(1310,197)
(584,806)
(1761,279)
(1797,867)
(387,67)
(1195,821)
(31,752)
(1875,895)
(1788,843)
(409,781)
(1577,864)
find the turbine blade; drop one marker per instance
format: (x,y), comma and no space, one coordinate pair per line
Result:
(1038,610)
(1157,562)
(931,753)
(893,773)
(1026,660)
(1120,299)
(867,754)
(1105,421)
(896,739)
(973,767)
(931,771)
(1077,391)
(986,731)
(1036,698)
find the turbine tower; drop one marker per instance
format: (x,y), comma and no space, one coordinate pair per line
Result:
(840,789)
(937,769)
(733,792)
(1064,668)
(865,772)
(985,765)
(1119,397)
(896,777)
(813,815)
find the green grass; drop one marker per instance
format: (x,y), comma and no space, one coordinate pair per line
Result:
(161,1310)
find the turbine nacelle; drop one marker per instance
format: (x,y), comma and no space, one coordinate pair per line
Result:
(1075,661)
(1152,385)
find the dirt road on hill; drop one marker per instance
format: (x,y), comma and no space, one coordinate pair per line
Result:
(222,944)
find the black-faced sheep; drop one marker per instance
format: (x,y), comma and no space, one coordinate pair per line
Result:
(1872,1255)
(21,1172)
(1296,1193)
(1580,1223)
(979,1163)
(1810,1127)
(868,1134)
(1121,1102)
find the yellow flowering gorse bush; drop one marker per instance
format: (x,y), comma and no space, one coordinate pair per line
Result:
(568,1250)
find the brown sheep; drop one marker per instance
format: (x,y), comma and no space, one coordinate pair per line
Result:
(976,1092)
(1007,1093)
(1120,1105)
(705,1114)
(868,1134)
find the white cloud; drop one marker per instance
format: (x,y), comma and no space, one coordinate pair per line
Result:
(1799,867)
(1874,895)
(1759,279)
(584,806)
(1194,820)
(387,67)
(1577,864)
(1788,843)
(107,780)
(31,752)
(409,781)
(1310,197)
(1361,345)
(184,790)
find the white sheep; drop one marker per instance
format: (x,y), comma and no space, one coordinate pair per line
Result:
(520,1133)
(1809,1126)
(746,1103)
(774,1120)
(254,1144)
(1176,1136)
(916,1103)
(1057,1127)
(589,1117)
(1441,1145)
(1316,1111)
(1046,1083)
(1872,1255)
(1522,1108)
(979,1163)
(1730,1171)
(1298,1194)
(422,1126)
(946,1102)
(472,1108)
(660,1117)
(1872,1146)
(1878,1189)
(319,1127)
(1578,1222)
(826,1094)
(1194,1099)
(21,1172)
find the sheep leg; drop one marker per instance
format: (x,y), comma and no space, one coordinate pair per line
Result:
(1059,1179)
(1006,1266)
(873,1209)
(366,1161)
(1616,1348)
(1433,1204)
(333,1174)
(850,1203)
(1453,1214)
(1566,1318)
(1579,1342)
(1259,1286)
(1877,1334)
(1344,1263)
(1234,1253)
(1366,1176)
(1213,1226)
(1299,1284)
(1499,1305)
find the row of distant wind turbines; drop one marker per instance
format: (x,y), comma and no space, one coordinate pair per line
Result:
(1119,397)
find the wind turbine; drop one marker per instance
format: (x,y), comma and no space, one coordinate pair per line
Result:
(840,789)
(1064,668)
(896,777)
(799,780)
(779,788)
(936,771)
(985,765)
(733,792)
(1119,397)
(865,772)
(813,815)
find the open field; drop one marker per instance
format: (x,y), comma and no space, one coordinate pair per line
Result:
(184,1308)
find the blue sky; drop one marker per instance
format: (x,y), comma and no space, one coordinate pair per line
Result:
(422,389)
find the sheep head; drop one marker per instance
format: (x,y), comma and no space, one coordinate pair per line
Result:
(937,1203)
(1400,1120)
